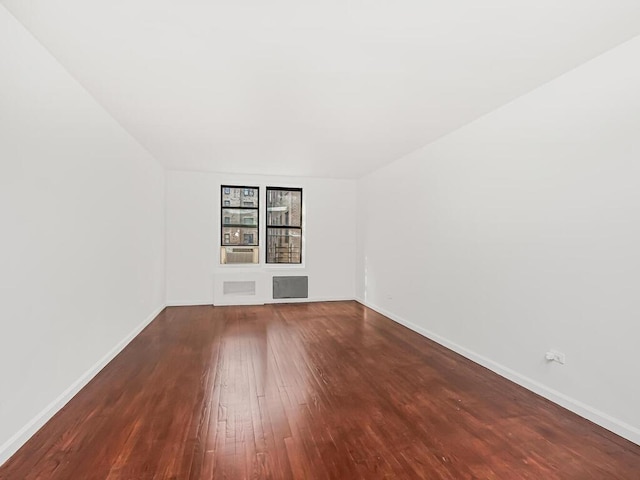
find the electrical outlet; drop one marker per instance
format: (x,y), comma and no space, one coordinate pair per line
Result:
(554,356)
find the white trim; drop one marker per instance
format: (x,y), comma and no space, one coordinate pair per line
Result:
(309,300)
(605,420)
(240,301)
(12,445)
(193,303)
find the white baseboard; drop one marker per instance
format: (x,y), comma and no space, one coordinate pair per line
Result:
(12,445)
(196,303)
(309,300)
(246,301)
(605,420)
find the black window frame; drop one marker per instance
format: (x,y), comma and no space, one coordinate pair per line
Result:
(283,227)
(226,189)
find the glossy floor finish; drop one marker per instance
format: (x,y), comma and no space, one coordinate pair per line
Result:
(309,391)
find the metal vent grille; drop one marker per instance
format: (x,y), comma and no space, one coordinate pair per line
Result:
(291,287)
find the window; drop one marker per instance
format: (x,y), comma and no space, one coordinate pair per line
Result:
(239,226)
(284,225)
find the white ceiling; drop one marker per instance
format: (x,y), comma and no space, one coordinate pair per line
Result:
(330,88)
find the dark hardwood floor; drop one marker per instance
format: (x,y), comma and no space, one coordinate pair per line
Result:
(309,391)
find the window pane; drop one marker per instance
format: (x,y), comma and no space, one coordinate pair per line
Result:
(237,216)
(284,245)
(239,197)
(239,236)
(284,208)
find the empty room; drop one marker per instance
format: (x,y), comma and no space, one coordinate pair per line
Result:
(319,240)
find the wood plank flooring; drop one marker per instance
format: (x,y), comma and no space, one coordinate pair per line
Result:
(309,391)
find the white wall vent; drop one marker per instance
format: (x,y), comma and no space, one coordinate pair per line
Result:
(239,287)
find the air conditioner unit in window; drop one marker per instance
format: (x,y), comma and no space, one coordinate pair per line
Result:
(238,255)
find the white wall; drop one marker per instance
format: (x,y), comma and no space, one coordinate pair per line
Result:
(521,232)
(194,272)
(82,236)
